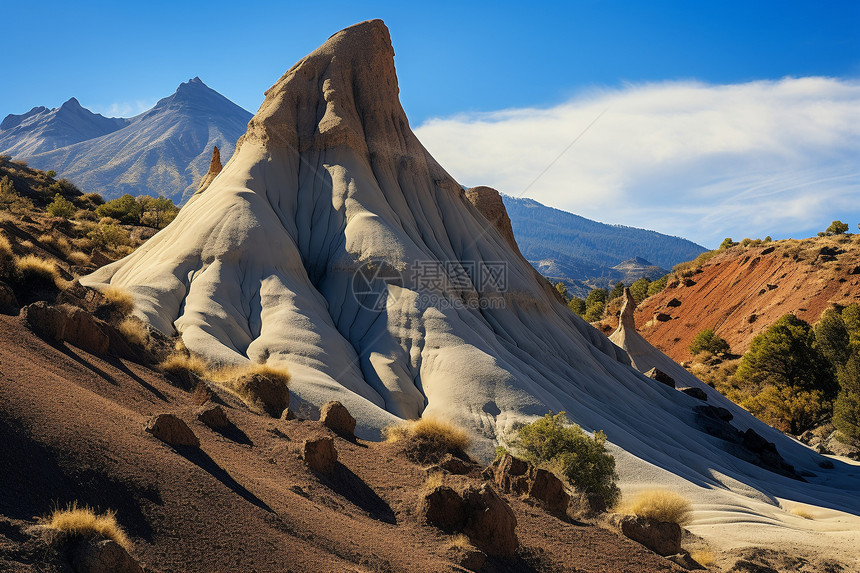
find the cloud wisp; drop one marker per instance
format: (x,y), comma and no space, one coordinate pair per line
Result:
(702,161)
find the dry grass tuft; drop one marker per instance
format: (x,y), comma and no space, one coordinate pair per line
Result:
(703,557)
(32,267)
(460,541)
(201,394)
(662,505)
(119,298)
(134,331)
(801,511)
(60,244)
(264,388)
(85,522)
(78,258)
(434,480)
(180,362)
(5,251)
(429,438)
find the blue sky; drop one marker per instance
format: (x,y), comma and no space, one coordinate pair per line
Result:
(453,61)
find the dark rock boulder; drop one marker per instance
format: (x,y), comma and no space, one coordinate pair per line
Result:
(519,477)
(662,537)
(336,417)
(103,556)
(269,393)
(213,416)
(172,430)
(319,454)
(66,323)
(490,522)
(661,376)
(696,393)
(444,508)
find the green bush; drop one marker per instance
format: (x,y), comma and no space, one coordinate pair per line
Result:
(125,209)
(582,459)
(657,286)
(616,291)
(836,228)
(61,207)
(51,173)
(727,243)
(846,411)
(109,236)
(639,289)
(577,305)
(831,337)
(708,341)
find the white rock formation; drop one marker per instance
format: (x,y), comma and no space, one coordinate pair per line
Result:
(334,244)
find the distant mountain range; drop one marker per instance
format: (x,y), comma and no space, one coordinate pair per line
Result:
(163,151)
(584,254)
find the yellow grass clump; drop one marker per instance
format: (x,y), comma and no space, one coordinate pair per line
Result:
(801,511)
(85,522)
(134,331)
(460,541)
(33,267)
(5,251)
(703,557)
(78,258)
(433,481)
(119,298)
(183,362)
(436,433)
(662,505)
(267,392)
(61,244)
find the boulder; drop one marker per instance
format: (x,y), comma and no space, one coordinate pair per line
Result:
(744,566)
(269,394)
(319,455)
(662,537)
(454,465)
(490,522)
(662,317)
(519,477)
(468,558)
(696,393)
(8,301)
(444,508)
(172,430)
(767,250)
(715,412)
(66,323)
(213,416)
(661,376)
(686,561)
(673,303)
(103,556)
(336,417)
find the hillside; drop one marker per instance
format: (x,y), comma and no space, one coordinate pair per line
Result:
(333,245)
(743,290)
(163,151)
(582,253)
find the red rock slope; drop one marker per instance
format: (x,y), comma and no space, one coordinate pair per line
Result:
(742,291)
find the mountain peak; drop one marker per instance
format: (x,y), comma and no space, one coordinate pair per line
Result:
(72,104)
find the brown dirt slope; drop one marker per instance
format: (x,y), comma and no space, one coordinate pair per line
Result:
(743,290)
(72,429)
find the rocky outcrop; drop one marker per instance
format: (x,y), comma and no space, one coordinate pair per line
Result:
(489,203)
(103,556)
(268,394)
(664,538)
(66,323)
(661,376)
(8,301)
(442,507)
(513,475)
(319,454)
(172,430)
(214,169)
(213,416)
(337,418)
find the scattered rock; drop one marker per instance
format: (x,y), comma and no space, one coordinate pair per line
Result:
(520,477)
(8,301)
(288,414)
(270,394)
(66,323)
(444,508)
(468,558)
(662,317)
(490,523)
(689,282)
(103,556)
(855,271)
(662,537)
(770,286)
(684,560)
(695,392)
(172,430)
(213,416)
(336,417)
(319,454)
(587,504)
(454,465)
(674,303)
(716,412)
(826,465)
(661,376)
(752,318)
(744,566)
(768,250)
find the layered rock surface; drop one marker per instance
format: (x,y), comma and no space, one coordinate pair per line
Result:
(332,243)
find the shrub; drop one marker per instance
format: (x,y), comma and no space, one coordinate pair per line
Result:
(134,331)
(703,557)
(10,200)
(577,305)
(639,289)
(51,173)
(109,236)
(125,209)
(831,337)
(616,291)
(582,459)
(180,362)
(266,392)
(79,258)
(429,438)
(158,211)
(789,408)
(85,522)
(851,319)
(6,255)
(662,505)
(658,285)
(708,341)
(836,228)
(61,207)
(846,411)
(60,244)
(30,268)
(727,243)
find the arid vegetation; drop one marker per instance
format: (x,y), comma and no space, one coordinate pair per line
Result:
(85,522)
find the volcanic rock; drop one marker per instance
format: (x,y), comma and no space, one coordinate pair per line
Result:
(172,430)
(490,522)
(662,537)
(661,376)
(103,556)
(66,323)
(213,416)
(319,454)
(336,417)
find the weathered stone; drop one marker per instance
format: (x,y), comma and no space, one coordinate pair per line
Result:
(715,412)
(66,323)
(689,282)
(269,393)
(213,416)
(768,250)
(519,477)
(744,566)
(549,490)
(444,508)
(336,417)
(172,430)
(454,465)
(103,556)
(469,558)
(662,317)
(662,537)
(8,301)
(661,376)
(319,455)
(674,303)
(696,393)
(490,523)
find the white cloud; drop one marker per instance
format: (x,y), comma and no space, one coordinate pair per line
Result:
(775,158)
(123,108)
